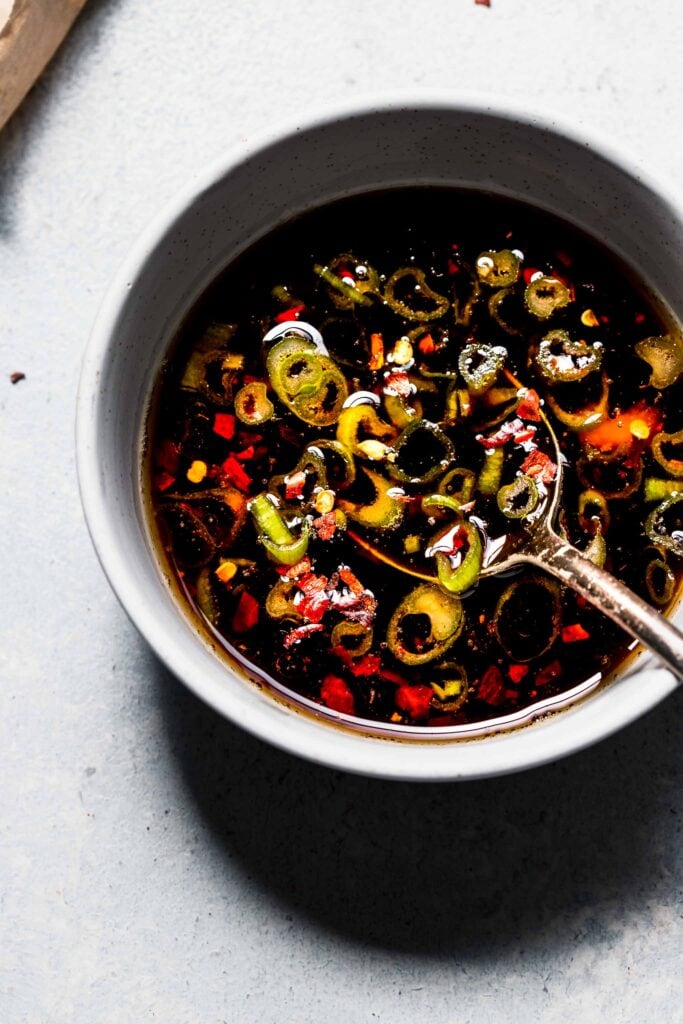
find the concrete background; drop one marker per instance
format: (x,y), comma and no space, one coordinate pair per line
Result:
(156,864)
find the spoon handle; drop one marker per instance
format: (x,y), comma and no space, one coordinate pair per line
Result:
(628,610)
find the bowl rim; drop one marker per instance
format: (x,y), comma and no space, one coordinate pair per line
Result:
(355,752)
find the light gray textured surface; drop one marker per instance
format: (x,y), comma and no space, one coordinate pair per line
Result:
(156,863)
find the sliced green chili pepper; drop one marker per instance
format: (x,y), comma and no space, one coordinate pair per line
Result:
(458,578)
(458,484)
(225,498)
(495,305)
(440,502)
(421,453)
(415,641)
(463,311)
(524,635)
(655,489)
(589,416)
(309,383)
(660,581)
(615,481)
(518,499)
(355,418)
(665,356)
(209,348)
(495,406)
(280,601)
(324,407)
(300,373)
(560,360)
(659,532)
(545,295)
(340,290)
(356,638)
(345,459)
(401,414)
(499,269)
(384,513)
(205,597)
(672,466)
(491,472)
(276,537)
(252,405)
(450,687)
(480,365)
(440,302)
(592,509)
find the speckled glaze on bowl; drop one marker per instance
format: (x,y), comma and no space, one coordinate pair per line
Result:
(370,145)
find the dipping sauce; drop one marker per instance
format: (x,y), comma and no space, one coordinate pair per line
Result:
(336,446)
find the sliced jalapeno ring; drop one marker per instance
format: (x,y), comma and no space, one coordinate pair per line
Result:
(518,499)
(545,295)
(425,625)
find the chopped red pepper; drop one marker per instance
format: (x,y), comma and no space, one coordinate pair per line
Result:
(246,455)
(517,673)
(294,485)
(224,425)
(491,686)
(316,599)
(351,580)
(336,694)
(550,672)
(376,352)
(414,700)
(530,406)
(234,472)
(163,480)
(293,313)
(570,634)
(293,572)
(502,435)
(397,382)
(168,457)
(300,633)
(246,613)
(368,665)
(539,465)
(525,435)
(390,676)
(427,345)
(325,526)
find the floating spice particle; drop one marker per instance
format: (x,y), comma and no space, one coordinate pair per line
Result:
(402,352)
(17,376)
(300,633)
(589,319)
(376,352)
(226,571)
(325,526)
(376,451)
(197,471)
(324,501)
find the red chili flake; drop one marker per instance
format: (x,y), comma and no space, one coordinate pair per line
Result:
(525,435)
(491,686)
(390,676)
(547,674)
(530,406)
(163,480)
(538,464)
(224,425)
(325,525)
(414,700)
(483,3)
(292,572)
(528,273)
(570,634)
(517,673)
(246,455)
(368,665)
(246,613)
(397,382)
(351,580)
(234,472)
(639,318)
(336,694)
(294,484)
(293,313)
(427,345)
(300,633)
(167,456)
(452,267)
(502,435)
(316,599)
(17,376)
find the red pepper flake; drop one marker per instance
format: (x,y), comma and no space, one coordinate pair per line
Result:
(550,672)
(539,465)
(506,433)
(246,613)
(300,633)
(163,480)
(17,376)
(336,694)
(246,455)
(517,673)
(326,525)
(483,3)
(525,435)
(292,572)
(316,599)
(351,580)
(224,425)
(570,634)
(390,676)
(639,318)
(397,382)
(294,484)
(368,665)
(234,472)
(167,456)
(414,700)
(491,686)
(376,352)
(427,345)
(293,313)
(530,406)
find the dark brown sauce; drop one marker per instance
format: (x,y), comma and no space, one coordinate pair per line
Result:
(441,232)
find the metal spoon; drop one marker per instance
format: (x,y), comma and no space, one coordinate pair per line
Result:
(537,543)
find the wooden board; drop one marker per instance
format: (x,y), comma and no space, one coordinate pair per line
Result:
(28,39)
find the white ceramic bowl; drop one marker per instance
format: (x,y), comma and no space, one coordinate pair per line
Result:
(236,201)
